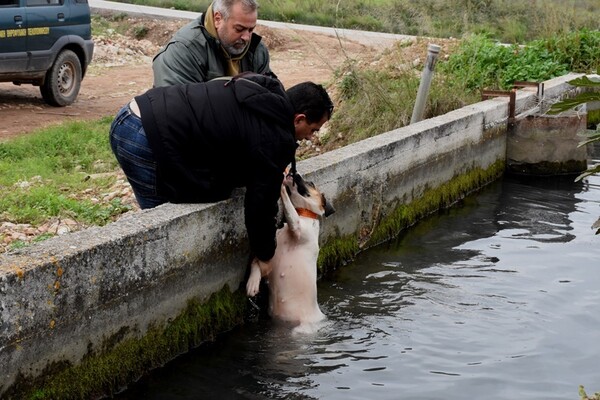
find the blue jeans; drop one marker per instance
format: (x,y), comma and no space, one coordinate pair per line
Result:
(130,146)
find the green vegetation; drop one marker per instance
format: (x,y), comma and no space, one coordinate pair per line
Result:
(481,63)
(380,98)
(584,396)
(110,23)
(375,100)
(509,21)
(103,24)
(42,175)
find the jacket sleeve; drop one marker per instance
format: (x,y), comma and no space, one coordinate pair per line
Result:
(261,61)
(261,202)
(175,64)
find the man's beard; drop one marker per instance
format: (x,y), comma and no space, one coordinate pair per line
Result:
(235,51)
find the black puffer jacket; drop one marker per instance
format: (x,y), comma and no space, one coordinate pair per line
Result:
(209,138)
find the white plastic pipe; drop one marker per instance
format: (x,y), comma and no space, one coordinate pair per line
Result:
(433,50)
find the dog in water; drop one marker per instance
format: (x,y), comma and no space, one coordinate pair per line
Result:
(292,272)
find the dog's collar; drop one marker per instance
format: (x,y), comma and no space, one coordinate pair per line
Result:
(303,212)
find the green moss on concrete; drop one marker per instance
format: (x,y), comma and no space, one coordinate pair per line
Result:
(433,200)
(117,364)
(337,252)
(341,250)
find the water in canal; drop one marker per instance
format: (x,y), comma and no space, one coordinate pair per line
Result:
(498,298)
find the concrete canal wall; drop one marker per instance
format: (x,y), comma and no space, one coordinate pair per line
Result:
(84,314)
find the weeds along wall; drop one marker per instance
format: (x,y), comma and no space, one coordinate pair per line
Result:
(86,313)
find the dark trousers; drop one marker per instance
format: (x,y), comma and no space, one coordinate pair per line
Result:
(130,146)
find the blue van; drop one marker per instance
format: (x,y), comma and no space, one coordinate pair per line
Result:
(47,43)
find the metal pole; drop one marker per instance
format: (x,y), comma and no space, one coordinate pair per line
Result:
(432,53)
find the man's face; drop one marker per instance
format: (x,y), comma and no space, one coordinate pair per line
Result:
(304,130)
(235,32)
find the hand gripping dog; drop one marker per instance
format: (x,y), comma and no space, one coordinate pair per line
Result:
(292,272)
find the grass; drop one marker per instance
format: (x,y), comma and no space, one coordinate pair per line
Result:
(45,174)
(509,21)
(372,101)
(375,99)
(110,23)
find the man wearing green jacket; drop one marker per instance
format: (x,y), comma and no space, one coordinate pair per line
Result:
(221,42)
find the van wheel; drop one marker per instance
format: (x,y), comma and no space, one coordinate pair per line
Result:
(63,80)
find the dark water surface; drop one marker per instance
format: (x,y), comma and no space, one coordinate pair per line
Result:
(498,298)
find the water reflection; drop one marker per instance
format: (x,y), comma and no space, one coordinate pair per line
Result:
(495,299)
(542,207)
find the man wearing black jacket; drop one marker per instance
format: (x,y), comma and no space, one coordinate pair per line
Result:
(195,143)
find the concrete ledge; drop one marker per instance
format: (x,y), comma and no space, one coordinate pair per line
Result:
(63,298)
(73,300)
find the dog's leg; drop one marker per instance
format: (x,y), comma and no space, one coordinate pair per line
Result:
(253,283)
(291,215)
(258,269)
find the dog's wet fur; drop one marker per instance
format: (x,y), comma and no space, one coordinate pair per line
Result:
(292,272)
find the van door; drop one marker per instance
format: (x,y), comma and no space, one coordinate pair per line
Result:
(13,36)
(47,21)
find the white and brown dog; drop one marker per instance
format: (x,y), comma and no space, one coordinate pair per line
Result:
(292,272)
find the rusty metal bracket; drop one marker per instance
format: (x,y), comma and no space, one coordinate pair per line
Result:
(538,85)
(511,94)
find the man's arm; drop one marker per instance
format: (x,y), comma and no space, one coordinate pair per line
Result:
(260,204)
(175,64)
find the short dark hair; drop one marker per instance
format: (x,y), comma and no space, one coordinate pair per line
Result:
(310,99)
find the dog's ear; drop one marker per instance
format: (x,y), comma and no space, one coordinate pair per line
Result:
(327,206)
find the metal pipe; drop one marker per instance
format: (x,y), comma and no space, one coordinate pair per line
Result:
(432,53)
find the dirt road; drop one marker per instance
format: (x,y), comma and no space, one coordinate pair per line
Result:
(121,69)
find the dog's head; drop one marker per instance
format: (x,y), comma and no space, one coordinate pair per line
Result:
(304,194)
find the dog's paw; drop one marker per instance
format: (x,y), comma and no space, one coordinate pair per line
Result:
(252,287)
(253,284)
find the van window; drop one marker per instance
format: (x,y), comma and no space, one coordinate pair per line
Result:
(9,3)
(33,3)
